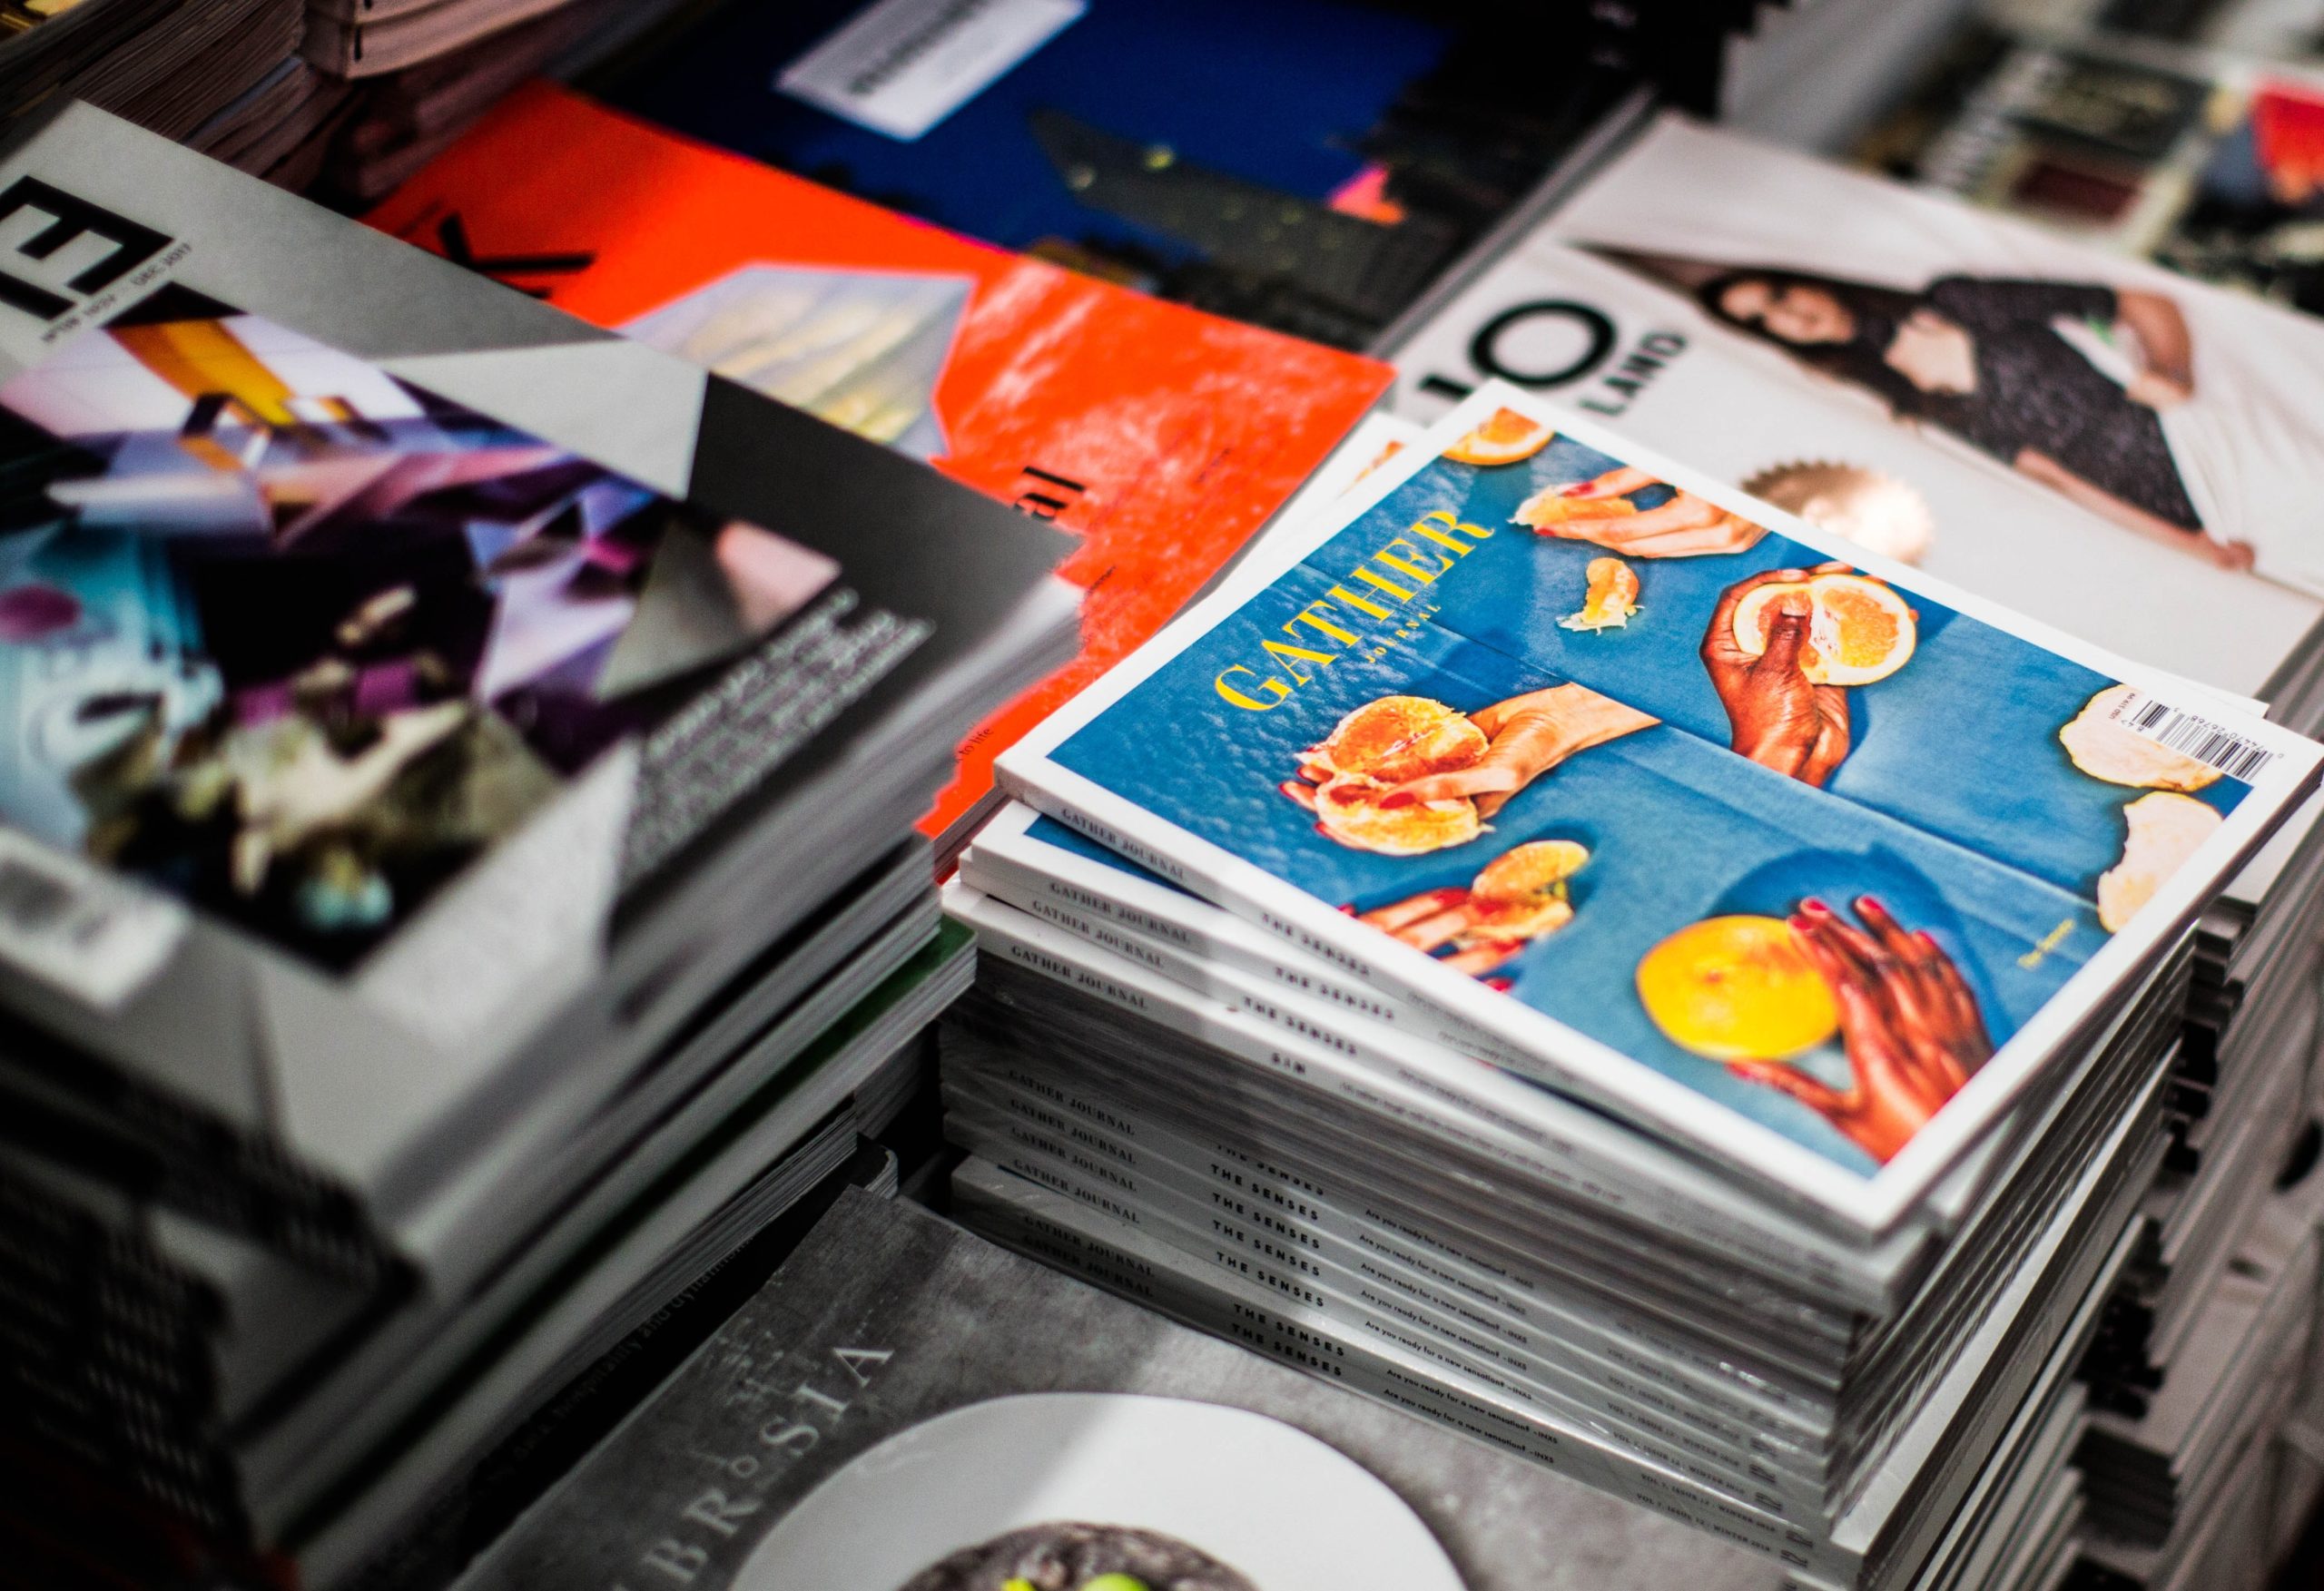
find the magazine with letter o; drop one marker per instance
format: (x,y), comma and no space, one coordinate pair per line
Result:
(1771,846)
(2094,441)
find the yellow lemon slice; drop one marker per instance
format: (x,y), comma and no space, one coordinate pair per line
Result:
(1735,988)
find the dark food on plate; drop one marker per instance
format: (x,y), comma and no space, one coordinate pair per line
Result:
(1076,1557)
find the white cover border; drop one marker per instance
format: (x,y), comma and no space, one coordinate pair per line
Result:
(1869,1205)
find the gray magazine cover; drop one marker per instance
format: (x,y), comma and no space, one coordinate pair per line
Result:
(386,650)
(907,1407)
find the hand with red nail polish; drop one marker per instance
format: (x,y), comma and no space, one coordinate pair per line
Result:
(1909,1022)
(1775,716)
(1435,919)
(1683,526)
(1526,736)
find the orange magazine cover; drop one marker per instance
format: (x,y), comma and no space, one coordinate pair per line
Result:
(1161,436)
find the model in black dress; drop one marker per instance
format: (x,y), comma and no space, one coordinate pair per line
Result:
(2004,365)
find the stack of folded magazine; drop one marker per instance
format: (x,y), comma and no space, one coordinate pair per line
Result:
(2093,440)
(164,65)
(1592,957)
(459,880)
(2156,1478)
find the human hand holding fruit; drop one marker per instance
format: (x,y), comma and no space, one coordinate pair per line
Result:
(1777,717)
(1526,737)
(1907,1019)
(1598,511)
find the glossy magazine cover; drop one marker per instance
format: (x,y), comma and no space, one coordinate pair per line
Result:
(2089,439)
(1765,843)
(1308,164)
(1161,438)
(390,651)
(888,1413)
(296,641)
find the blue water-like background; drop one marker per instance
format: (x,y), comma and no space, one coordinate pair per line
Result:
(1956,808)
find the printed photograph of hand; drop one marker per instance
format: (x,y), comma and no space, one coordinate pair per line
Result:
(1521,896)
(1435,919)
(1526,736)
(1908,1021)
(1598,511)
(1777,718)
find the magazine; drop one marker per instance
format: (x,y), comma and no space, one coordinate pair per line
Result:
(1160,437)
(888,1414)
(388,651)
(1764,842)
(1313,166)
(2200,160)
(2091,441)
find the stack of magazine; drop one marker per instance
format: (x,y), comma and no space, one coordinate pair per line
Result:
(1627,972)
(165,65)
(2118,450)
(459,878)
(2155,1480)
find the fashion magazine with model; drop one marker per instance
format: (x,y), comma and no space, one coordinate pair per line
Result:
(1761,840)
(2105,446)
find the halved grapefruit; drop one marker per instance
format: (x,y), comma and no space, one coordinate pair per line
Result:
(1859,630)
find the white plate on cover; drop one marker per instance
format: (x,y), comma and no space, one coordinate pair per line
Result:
(1271,1502)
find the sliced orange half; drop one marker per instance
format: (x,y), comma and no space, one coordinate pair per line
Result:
(1737,988)
(1349,809)
(1858,629)
(1503,437)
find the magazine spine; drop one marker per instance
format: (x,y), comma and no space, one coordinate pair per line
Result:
(1202,934)
(1566,1250)
(1715,1452)
(1422,1260)
(1621,1307)
(1574,1152)
(1053,1228)
(1546,1245)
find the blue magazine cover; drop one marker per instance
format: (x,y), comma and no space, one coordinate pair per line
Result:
(1773,847)
(1310,164)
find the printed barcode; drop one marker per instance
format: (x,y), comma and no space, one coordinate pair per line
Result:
(2191,735)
